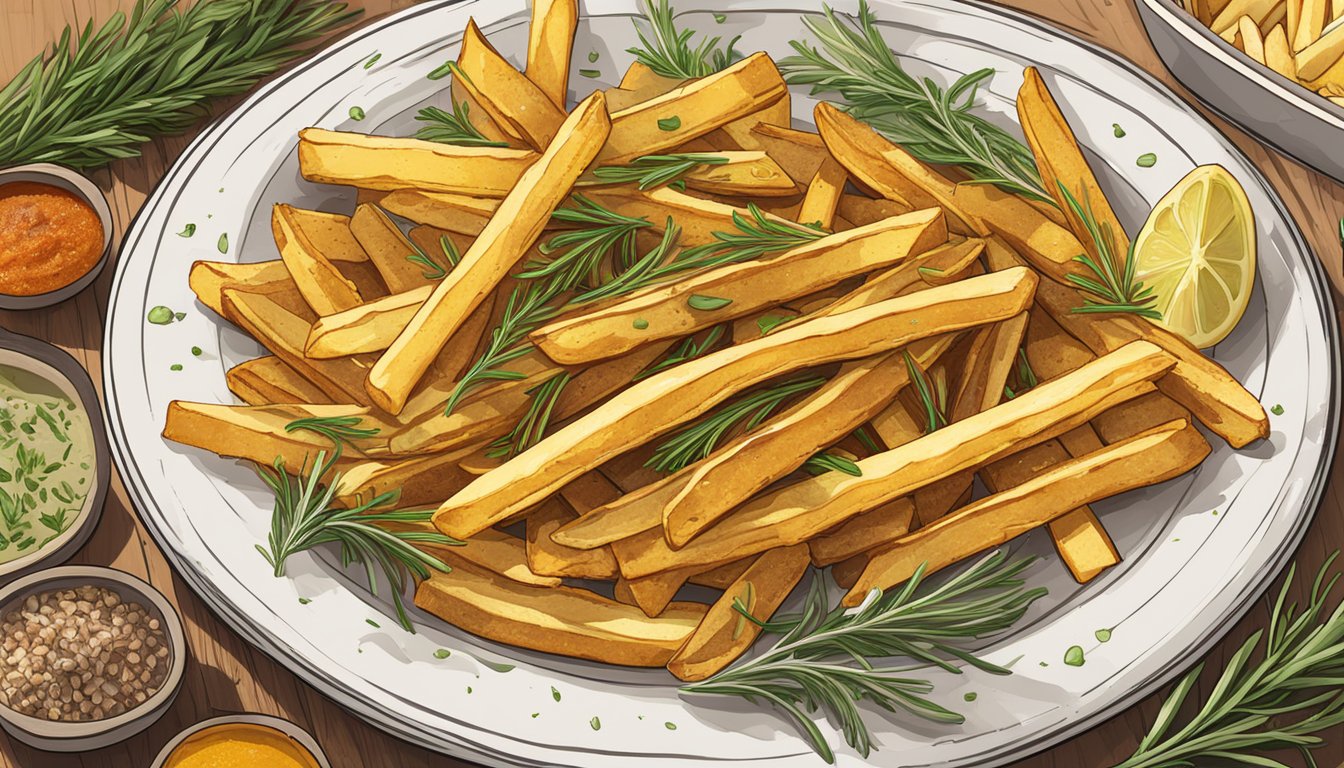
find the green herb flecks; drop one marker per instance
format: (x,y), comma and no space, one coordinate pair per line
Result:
(368,63)
(1277,410)
(688,349)
(640,324)
(531,428)
(669,51)
(452,127)
(934,124)
(932,395)
(827,461)
(593,56)
(429,267)
(222,244)
(442,653)
(1146,160)
(1115,287)
(703,303)
(767,323)
(699,439)
(1117,131)
(160,315)
(1074,656)
(357,113)
(1288,699)
(669,123)
(1102,635)
(187,231)
(824,660)
(652,171)
(1024,378)
(591,74)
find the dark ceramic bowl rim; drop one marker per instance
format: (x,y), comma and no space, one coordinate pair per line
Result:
(290,729)
(69,541)
(79,184)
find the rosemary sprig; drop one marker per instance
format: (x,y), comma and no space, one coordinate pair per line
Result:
(824,661)
(934,124)
(1115,289)
(303,518)
(652,171)
(1293,693)
(96,96)
(453,127)
(532,426)
(687,350)
(932,395)
(528,307)
(1025,376)
(668,52)
(430,268)
(827,461)
(753,239)
(701,437)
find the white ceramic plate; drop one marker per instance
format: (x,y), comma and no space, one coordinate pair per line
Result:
(1187,575)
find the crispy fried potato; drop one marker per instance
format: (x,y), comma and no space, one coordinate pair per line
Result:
(564,620)
(1249,39)
(1310,21)
(1152,458)
(268,380)
(670,311)
(654,593)
(463,214)
(1278,54)
(379,162)
(740,133)
(823,195)
(693,110)
(509,97)
(1316,58)
(550,43)
(209,279)
(799,153)
(389,250)
(723,576)
(418,480)
(798,512)
(546,557)
(1257,10)
(697,219)
(724,634)
(747,173)
(490,550)
(1047,246)
(660,403)
(323,286)
(506,239)
(368,327)
(484,414)
(259,433)
(863,532)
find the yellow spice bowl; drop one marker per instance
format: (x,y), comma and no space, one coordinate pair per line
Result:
(293,734)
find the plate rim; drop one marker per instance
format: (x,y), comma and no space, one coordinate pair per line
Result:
(1238,608)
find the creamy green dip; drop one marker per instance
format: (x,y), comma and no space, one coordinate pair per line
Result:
(46,462)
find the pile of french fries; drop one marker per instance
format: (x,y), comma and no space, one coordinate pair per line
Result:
(575,546)
(1303,40)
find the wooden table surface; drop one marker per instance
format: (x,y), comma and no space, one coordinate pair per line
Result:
(225,675)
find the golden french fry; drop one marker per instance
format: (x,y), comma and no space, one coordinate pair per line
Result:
(417,480)
(697,219)
(800,511)
(1148,459)
(863,532)
(740,133)
(450,211)
(861,210)
(1310,21)
(511,232)
(823,195)
(509,97)
(1249,39)
(747,173)
(367,327)
(209,279)
(1318,57)
(1278,54)
(1257,10)
(659,403)
(546,557)
(259,433)
(693,110)
(323,286)
(379,162)
(654,593)
(799,153)
(723,576)
(724,634)
(708,298)
(492,551)
(481,415)
(564,620)
(550,43)
(268,380)
(389,250)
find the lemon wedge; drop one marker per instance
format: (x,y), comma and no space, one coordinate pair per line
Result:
(1197,253)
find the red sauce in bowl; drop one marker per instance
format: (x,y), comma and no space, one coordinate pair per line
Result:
(49,238)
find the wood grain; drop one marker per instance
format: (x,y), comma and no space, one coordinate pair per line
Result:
(226,675)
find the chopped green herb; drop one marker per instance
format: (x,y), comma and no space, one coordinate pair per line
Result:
(372,60)
(1103,635)
(1146,160)
(970,696)
(595,723)
(452,127)
(187,231)
(468,689)
(1117,130)
(1074,656)
(222,245)
(357,113)
(372,623)
(196,351)
(442,653)
(707,303)
(496,666)
(671,726)
(1277,410)
(305,600)
(160,315)
(768,323)
(555,694)
(535,715)
(719,18)
(1043,664)
(593,56)
(175,367)
(668,51)
(442,71)
(669,123)
(179,315)
(640,324)
(590,72)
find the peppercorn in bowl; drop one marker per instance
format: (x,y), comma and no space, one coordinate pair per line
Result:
(89,656)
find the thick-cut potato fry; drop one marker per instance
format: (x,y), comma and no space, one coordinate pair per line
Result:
(671,311)
(693,110)
(284,334)
(550,43)
(1249,39)
(463,214)
(268,380)
(863,532)
(388,249)
(724,634)
(1310,21)
(417,480)
(258,433)
(1257,10)
(823,195)
(1278,54)
(1316,58)
(723,576)
(546,557)
(1148,459)
(564,620)
(740,133)
(990,358)
(860,210)
(323,286)
(747,173)
(800,511)
(654,593)
(480,415)
(508,96)
(799,153)
(490,550)
(379,162)
(1061,163)
(697,219)
(1049,247)
(367,327)
(511,232)
(661,402)
(209,279)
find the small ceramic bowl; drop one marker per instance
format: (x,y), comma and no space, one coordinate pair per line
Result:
(64,178)
(54,365)
(294,732)
(62,736)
